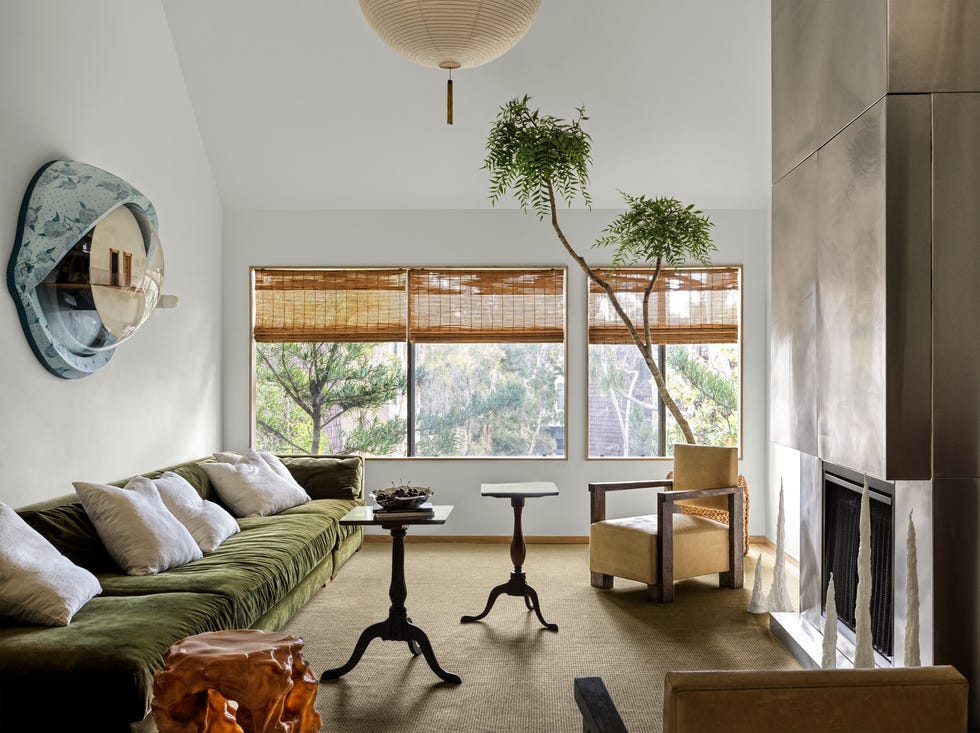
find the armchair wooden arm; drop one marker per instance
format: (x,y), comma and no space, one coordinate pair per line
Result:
(598,494)
(599,713)
(667,507)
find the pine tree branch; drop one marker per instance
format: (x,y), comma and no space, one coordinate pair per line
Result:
(263,425)
(287,384)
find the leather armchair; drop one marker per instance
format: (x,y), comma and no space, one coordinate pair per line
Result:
(892,700)
(672,545)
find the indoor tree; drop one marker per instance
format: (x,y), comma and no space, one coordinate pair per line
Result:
(540,158)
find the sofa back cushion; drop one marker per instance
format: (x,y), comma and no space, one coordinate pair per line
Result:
(328,477)
(73,534)
(192,472)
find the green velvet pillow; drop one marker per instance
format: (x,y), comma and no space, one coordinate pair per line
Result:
(73,534)
(326,477)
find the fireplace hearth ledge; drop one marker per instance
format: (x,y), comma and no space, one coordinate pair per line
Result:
(805,642)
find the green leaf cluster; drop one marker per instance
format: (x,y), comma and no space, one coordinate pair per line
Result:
(658,230)
(704,381)
(533,155)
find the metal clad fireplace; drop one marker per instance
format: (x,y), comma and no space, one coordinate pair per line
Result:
(875,319)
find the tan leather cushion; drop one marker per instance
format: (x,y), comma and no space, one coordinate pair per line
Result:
(825,700)
(705,467)
(627,548)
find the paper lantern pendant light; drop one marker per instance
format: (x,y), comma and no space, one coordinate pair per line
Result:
(450,34)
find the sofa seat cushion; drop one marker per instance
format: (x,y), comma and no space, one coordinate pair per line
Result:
(254,569)
(100,667)
(335,509)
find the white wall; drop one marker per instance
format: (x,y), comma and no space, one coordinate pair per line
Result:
(491,237)
(99,82)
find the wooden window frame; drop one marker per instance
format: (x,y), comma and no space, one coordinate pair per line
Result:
(662,412)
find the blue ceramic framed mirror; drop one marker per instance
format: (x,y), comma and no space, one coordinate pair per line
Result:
(87,266)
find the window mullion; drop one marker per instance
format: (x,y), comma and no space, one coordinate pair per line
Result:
(661,407)
(410,396)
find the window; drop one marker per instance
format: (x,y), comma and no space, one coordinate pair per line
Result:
(695,320)
(114,267)
(410,361)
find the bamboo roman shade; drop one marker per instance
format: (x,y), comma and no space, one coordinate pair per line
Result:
(481,306)
(687,306)
(330,305)
(420,305)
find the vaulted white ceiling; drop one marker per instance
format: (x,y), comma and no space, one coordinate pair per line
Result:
(302,107)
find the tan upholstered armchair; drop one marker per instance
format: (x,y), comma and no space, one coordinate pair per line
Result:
(888,700)
(673,544)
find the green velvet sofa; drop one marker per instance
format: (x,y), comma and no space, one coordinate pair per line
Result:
(97,672)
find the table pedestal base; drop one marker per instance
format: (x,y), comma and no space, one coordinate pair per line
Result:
(516,586)
(398,626)
(393,629)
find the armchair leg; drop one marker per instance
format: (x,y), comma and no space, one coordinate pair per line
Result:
(665,593)
(601,580)
(730,580)
(653,592)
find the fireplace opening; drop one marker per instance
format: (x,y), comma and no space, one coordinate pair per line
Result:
(842,491)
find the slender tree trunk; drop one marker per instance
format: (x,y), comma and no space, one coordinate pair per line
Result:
(537,430)
(644,348)
(623,429)
(315,446)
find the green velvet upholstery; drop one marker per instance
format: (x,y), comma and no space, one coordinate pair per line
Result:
(97,673)
(274,619)
(328,477)
(333,509)
(347,547)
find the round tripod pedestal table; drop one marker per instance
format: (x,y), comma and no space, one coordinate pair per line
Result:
(517,585)
(398,626)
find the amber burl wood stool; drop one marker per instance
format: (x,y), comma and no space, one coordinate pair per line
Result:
(242,681)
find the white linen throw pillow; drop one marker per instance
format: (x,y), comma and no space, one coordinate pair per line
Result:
(208,523)
(136,527)
(38,585)
(273,461)
(250,488)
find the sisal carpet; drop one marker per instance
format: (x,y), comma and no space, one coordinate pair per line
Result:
(517,676)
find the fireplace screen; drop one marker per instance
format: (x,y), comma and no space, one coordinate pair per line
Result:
(842,509)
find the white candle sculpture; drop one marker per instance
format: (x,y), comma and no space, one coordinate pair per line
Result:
(829,660)
(863,648)
(759,603)
(911,599)
(778,595)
